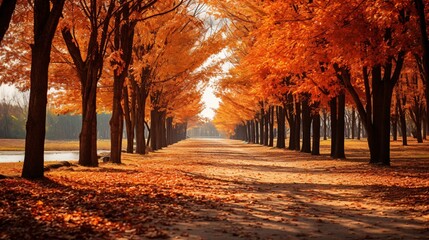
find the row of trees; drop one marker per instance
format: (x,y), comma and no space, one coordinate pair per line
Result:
(145,61)
(295,60)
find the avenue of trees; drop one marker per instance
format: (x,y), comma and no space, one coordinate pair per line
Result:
(143,61)
(298,63)
(299,69)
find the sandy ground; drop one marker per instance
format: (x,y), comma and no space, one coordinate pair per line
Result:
(224,189)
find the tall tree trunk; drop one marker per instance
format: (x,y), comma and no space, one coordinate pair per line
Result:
(425,125)
(339,140)
(334,127)
(297,124)
(353,122)
(359,129)
(155,141)
(325,133)
(402,120)
(262,127)
(45,24)
(163,132)
(290,117)
(280,127)
(129,113)
(271,120)
(420,7)
(256,131)
(416,113)
(306,125)
(376,114)
(7,7)
(249,131)
(88,134)
(123,42)
(395,118)
(316,134)
(169,127)
(266,126)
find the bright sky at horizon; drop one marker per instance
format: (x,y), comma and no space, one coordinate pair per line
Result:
(211,103)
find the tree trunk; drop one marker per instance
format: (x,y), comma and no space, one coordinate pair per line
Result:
(325,116)
(256,131)
(420,7)
(425,124)
(395,124)
(88,134)
(353,122)
(271,121)
(7,7)
(334,127)
(154,130)
(162,129)
(306,125)
(266,126)
(169,127)
(316,134)
(402,119)
(416,113)
(249,132)
(129,113)
(290,117)
(280,127)
(123,42)
(262,127)
(297,124)
(45,24)
(339,140)
(359,129)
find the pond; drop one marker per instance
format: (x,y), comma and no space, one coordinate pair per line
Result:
(18,156)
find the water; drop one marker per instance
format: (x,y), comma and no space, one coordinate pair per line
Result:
(18,156)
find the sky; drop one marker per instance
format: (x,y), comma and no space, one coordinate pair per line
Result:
(211,103)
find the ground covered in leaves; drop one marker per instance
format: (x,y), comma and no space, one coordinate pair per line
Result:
(224,189)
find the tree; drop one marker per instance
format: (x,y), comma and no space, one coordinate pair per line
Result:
(6,10)
(46,18)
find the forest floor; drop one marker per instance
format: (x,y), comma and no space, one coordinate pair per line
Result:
(224,189)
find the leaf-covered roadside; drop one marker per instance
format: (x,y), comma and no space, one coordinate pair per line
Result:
(221,189)
(111,202)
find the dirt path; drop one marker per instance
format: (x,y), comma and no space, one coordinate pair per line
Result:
(283,195)
(223,189)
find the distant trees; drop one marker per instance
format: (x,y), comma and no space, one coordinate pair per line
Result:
(152,83)
(310,56)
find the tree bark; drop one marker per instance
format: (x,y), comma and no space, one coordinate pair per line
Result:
(334,127)
(271,121)
(353,123)
(45,24)
(129,113)
(280,127)
(402,120)
(7,8)
(290,117)
(325,116)
(297,124)
(420,7)
(256,131)
(306,125)
(316,134)
(339,140)
(123,42)
(266,126)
